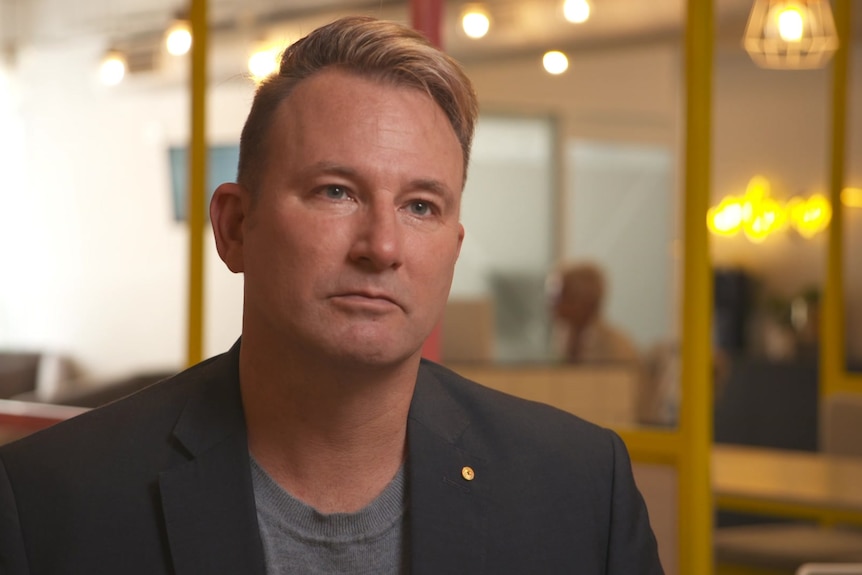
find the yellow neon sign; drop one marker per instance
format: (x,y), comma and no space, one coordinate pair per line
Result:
(758,215)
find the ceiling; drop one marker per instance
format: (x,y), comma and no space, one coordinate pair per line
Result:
(518,26)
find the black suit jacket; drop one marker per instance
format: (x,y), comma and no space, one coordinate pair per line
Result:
(160,483)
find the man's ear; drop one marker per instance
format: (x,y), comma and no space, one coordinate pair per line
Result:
(227,213)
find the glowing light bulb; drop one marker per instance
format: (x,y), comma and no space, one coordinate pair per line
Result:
(791,24)
(576,11)
(263,63)
(178,40)
(113,69)
(555,62)
(476,23)
(726,218)
(810,216)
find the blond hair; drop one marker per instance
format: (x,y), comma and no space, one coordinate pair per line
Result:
(377,49)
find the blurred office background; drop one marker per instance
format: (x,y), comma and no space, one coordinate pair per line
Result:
(585,164)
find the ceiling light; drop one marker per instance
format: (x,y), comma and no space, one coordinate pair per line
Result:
(475,21)
(576,11)
(555,62)
(113,68)
(178,38)
(264,62)
(790,33)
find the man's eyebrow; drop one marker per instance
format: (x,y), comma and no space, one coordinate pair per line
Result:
(326,167)
(431,185)
(436,187)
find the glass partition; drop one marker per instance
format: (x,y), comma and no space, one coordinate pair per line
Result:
(507,212)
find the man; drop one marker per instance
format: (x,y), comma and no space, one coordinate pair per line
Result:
(321,443)
(585,337)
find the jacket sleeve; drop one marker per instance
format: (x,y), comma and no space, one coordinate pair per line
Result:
(13,560)
(632,545)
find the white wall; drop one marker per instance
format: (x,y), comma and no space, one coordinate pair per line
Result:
(95,264)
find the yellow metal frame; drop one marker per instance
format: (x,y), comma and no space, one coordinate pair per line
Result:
(688,447)
(834,376)
(197,182)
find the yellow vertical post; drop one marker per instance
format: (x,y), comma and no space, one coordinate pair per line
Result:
(197,181)
(695,425)
(832,349)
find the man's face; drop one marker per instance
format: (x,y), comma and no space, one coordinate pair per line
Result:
(349,249)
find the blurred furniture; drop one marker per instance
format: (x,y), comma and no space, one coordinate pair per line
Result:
(768,404)
(18,373)
(20,418)
(815,486)
(841,424)
(788,483)
(468,331)
(32,374)
(94,396)
(830,569)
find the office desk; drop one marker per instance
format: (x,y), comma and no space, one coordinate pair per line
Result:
(788,483)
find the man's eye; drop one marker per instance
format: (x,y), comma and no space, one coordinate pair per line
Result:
(335,192)
(420,208)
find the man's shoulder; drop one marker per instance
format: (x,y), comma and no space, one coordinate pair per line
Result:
(128,424)
(503,418)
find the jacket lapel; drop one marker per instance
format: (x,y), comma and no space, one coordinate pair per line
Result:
(447,504)
(208,500)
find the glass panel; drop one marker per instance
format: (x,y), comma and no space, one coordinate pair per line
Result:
(619,201)
(507,212)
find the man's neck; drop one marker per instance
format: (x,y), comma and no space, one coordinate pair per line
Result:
(332,439)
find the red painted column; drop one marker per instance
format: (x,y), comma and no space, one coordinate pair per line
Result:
(427,17)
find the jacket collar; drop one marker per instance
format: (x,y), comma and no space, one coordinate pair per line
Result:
(208,500)
(448,505)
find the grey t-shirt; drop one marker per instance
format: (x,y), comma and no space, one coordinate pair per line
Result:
(299,539)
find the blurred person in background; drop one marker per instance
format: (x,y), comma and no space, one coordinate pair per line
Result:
(582,333)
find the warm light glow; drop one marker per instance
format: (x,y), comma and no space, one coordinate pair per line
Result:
(791,34)
(576,11)
(852,197)
(791,24)
(764,216)
(758,215)
(475,22)
(555,62)
(725,219)
(113,68)
(263,63)
(178,39)
(810,216)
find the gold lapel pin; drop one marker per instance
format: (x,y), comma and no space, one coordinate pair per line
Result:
(468,473)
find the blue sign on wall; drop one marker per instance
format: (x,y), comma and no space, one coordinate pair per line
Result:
(222,162)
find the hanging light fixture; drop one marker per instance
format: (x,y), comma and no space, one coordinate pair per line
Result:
(791,34)
(475,20)
(576,11)
(264,61)
(113,68)
(555,62)
(178,38)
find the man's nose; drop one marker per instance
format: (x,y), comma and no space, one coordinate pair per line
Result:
(378,241)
